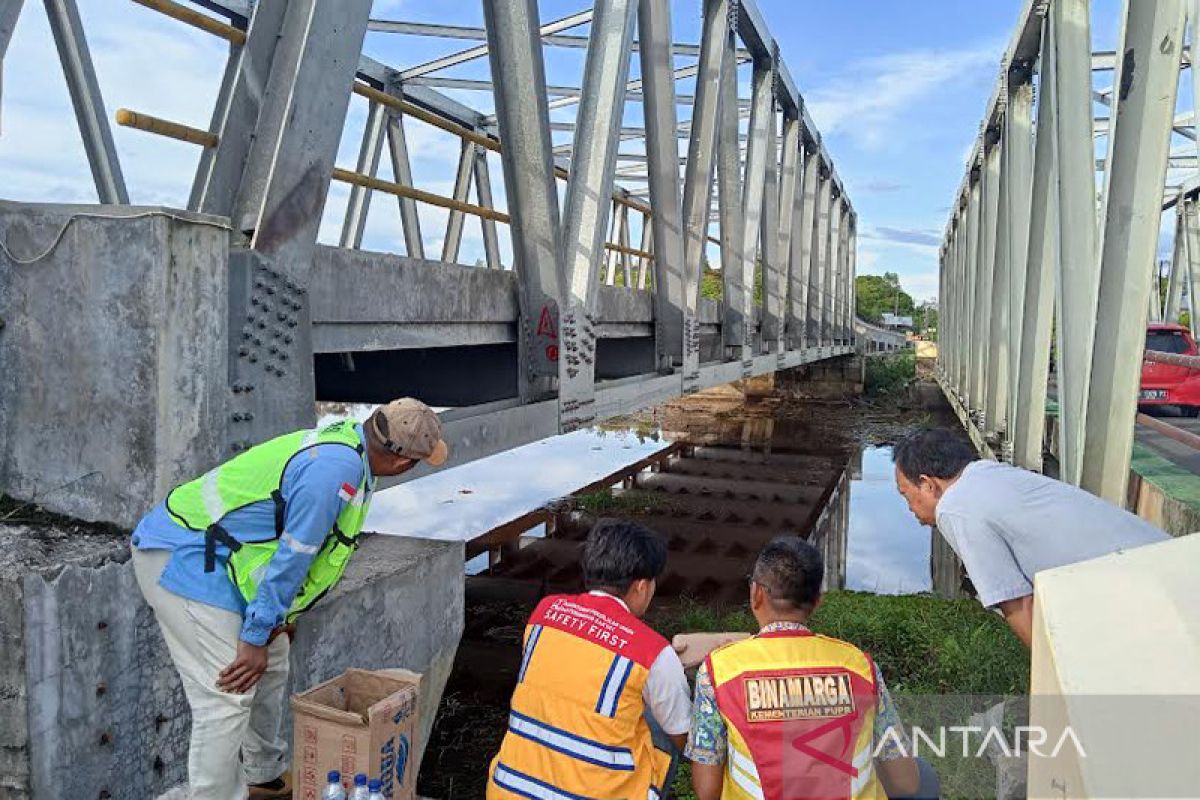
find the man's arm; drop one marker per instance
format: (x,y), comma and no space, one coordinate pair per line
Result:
(707,742)
(707,780)
(310,489)
(1018,613)
(897,770)
(666,695)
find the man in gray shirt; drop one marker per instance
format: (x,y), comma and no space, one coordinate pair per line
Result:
(1005,523)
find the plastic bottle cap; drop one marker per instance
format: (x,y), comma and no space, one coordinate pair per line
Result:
(334,776)
(376,786)
(360,780)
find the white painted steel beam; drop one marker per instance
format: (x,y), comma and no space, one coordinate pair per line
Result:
(586,206)
(1152,41)
(76,60)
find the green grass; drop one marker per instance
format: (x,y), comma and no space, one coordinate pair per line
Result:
(890,374)
(607,503)
(923,645)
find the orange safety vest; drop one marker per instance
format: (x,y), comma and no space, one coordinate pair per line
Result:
(576,730)
(799,710)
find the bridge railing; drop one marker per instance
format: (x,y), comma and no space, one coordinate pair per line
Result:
(1047,239)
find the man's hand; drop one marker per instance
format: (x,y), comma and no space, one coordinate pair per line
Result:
(245,671)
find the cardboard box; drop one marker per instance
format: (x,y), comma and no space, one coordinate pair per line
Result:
(361,721)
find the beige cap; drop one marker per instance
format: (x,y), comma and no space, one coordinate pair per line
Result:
(409,428)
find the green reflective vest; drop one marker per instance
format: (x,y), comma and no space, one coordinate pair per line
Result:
(257,475)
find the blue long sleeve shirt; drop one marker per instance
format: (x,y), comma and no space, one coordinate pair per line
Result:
(312,490)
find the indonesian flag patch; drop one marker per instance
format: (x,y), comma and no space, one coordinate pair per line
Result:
(347,493)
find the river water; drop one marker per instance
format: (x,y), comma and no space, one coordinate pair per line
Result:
(886,551)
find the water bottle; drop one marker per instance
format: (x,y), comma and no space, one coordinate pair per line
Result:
(360,791)
(333,788)
(376,788)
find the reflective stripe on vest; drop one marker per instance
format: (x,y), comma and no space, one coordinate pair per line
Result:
(577,725)
(799,711)
(257,476)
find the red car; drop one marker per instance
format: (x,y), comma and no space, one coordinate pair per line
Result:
(1165,384)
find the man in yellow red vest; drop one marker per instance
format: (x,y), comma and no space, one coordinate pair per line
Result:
(790,714)
(591,674)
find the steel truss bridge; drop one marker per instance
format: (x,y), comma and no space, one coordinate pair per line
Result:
(583,324)
(1053,241)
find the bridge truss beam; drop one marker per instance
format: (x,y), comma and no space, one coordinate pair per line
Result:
(1031,247)
(576,346)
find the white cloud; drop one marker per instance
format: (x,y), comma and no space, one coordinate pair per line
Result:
(873,93)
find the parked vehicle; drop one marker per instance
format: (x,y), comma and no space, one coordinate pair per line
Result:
(1167,384)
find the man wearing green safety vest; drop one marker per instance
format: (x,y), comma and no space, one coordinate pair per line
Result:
(229,560)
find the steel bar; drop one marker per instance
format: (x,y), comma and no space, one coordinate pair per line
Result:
(9,13)
(163,127)
(973,300)
(779,265)
(767,265)
(1077,287)
(1170,431)
(996,414)
(830,272)
(462,190)
(1154,300)
(634,86)
(1193,14)
(1191,222)
(1176,274)
(483,192)
(801,250)
(443,31)
(451,203)
(515,55)
(819,261)
(1173,359)
(235,114)
(586,205)
(730,204)
(851,277)
(1029,402)
(355,224)
(428,117)
(698,179)
(1153,40)
(464,56)
(985,297)
(285,179)
(623,241)
(758,183)
(197,20)
(646,264)
(410,220)
(76,61)
(609,266)
(1018,178)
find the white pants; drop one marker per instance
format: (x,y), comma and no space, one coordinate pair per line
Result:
(202,640)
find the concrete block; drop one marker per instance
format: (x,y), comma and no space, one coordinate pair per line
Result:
(89,699)
(114,354)
(1116,646)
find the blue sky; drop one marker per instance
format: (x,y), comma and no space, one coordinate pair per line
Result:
(897,90)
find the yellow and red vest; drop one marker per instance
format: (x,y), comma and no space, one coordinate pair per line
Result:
(576,730)
(799,709)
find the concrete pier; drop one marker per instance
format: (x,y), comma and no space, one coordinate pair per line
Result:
(90,703)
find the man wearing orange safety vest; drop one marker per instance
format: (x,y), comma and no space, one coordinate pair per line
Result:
(790,714)
(593,678)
